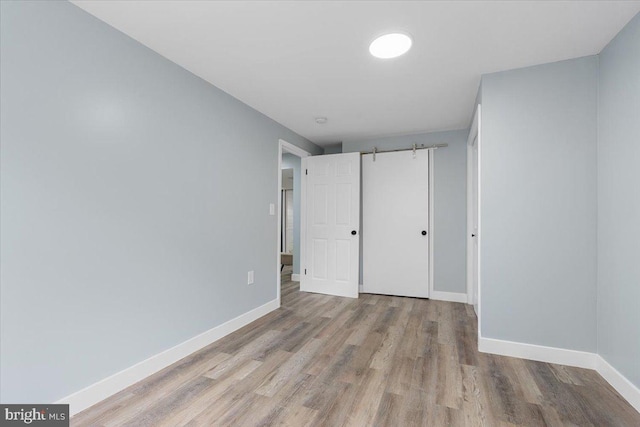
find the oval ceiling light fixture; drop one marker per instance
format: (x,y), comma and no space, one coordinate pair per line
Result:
(390,45)
(321,120)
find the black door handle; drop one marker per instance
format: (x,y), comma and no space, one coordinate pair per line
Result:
(354,232)
(473,235)
(424,232)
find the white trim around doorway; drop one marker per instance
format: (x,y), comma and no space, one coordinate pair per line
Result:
(475,134)
(286,147)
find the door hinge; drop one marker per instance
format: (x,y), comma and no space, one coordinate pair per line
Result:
(305,271)
(306,171)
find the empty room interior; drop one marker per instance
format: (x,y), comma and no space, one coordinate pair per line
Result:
(320,213)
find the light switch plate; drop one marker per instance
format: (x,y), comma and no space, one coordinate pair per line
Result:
(272,209)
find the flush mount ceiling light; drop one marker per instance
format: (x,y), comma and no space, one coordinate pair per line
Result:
(321,120)
(390,45)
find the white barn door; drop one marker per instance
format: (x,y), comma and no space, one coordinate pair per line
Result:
(395,220)
(332,224)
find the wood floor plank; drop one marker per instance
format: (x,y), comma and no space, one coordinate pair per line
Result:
(449,386)
(249,351)
(447,327)
(400,375)
(368,396)
(504,395)
(377,360)
(337,411)
(296,364)
(145,394)
(413,409)
(255,410)
(182,398)
(530,391)
(329,352)
(557,395)
(239,396)
(564,374)
(389,410)
(108,409)
(337,324)
(291,394)
(445,416)
(475,403)
(297,416)
(362,358)
(202,401)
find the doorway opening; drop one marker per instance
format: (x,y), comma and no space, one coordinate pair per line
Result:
(287,207)
(290,194)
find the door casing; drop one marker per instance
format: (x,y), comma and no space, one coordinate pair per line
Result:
(286,147)
(474,143)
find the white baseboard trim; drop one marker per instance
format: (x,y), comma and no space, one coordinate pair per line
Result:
(106,387)
(448,296)
(561,356)
(295,277)
(618,381)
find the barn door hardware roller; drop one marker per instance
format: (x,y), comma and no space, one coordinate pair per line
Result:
(414,148)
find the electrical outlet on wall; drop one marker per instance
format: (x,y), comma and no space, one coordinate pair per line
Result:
(250,278)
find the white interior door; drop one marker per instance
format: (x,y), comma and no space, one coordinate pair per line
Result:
(332,224)
(395,223)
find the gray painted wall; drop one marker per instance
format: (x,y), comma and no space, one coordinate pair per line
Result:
(619,203)
(293,162)
(539,204)
(121,236)
(333,148)
(450,215)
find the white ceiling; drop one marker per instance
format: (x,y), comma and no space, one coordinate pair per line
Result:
(294,61)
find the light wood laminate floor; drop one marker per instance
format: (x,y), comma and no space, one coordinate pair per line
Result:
(376,360)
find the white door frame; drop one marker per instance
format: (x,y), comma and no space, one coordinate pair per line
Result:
(431,231)
(286,147)
(474,132)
